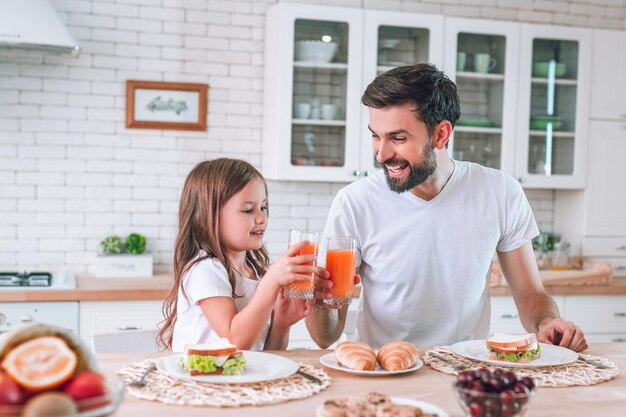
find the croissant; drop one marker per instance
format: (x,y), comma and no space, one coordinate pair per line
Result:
(356,355)
(396,356)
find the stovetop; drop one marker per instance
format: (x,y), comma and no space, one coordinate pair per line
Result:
(25,279)
(36,280)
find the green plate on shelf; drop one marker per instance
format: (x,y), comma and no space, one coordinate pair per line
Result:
(475,123)
(541,69)
(541,122)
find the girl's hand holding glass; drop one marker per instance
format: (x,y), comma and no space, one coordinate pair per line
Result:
(291,267)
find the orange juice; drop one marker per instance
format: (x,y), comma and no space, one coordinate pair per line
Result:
(310,249)
(341,263)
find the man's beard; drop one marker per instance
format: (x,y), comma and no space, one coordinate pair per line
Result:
(417,174)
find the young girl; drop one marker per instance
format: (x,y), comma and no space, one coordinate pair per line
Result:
(223,284)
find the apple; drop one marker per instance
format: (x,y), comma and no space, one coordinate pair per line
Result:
(87,384)
(10,392)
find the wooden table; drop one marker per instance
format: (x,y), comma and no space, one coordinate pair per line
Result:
(606,399)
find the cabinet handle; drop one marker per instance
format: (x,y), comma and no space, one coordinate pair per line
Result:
(357,173)
(620,268)
(619,340)
(26,318)
(129,328)
(621,247)
(366,173)
(619,314)
(509,316)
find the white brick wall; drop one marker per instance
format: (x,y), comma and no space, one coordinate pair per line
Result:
(71,173)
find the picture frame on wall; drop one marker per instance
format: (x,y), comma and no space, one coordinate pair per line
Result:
(166,105)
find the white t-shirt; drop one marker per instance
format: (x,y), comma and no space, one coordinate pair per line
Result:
(425,264)
(208,278)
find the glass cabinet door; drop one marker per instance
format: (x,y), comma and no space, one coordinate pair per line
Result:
(555,106)
(320,70)
(312,65)
(482,62)
(392,40)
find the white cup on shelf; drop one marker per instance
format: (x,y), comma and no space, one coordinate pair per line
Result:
(303,111)
(329,111)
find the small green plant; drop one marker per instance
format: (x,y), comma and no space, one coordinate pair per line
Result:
(135,244)
(111,245)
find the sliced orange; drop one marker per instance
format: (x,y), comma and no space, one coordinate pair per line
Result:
(41,364)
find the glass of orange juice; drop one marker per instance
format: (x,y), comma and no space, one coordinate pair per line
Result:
(341,263)
(303,288)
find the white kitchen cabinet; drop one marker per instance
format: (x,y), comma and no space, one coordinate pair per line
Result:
(605,197)
(609,84)
(118,316)
(524,108)
(301,140)
(393,39)
(505,317)
(603,318)
(554,81)
(482,58)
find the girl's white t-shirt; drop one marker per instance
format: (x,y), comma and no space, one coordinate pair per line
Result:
(208,278)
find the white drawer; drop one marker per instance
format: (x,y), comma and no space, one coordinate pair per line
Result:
(597,314)
(118,316)
(606,338)
(619,266)
(504,315)
(604,246)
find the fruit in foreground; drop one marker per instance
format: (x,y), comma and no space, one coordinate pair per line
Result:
(50,404)
(85,385)
(10,392)
(42,363)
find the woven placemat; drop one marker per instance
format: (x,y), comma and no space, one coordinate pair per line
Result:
(576,373)
(175,391)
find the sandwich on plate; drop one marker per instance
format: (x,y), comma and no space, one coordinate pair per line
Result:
(219,357)
(520,348)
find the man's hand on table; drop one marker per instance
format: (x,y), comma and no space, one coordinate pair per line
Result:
(560,332)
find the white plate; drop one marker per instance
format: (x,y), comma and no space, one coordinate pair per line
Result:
(550,355)
(427,408)
(260,366)
(330,361)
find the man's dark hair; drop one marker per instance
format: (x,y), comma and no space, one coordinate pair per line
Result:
(432,93)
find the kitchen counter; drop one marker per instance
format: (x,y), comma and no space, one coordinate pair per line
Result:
(90,288)
(606,399)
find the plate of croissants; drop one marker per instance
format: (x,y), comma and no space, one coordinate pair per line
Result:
(361,359)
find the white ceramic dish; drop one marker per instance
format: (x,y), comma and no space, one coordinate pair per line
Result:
(315,51)
(260,366)
(427,408)
(330,361)
(550,355)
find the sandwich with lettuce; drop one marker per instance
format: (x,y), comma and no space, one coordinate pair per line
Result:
(520,348)
(219,357)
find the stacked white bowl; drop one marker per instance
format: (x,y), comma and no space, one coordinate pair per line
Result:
(315,51)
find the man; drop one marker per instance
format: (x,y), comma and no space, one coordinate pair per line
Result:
(426,229)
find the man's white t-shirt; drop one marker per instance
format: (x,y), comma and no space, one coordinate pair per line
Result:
(208,278)
(425,264)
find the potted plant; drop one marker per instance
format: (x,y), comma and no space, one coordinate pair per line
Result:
(124,260)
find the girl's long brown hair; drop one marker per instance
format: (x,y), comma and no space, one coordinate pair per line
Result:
(209,185)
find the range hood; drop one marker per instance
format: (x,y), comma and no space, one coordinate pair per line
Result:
(33,25)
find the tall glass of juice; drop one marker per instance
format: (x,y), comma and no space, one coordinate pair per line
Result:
(303,288)
(341,262)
